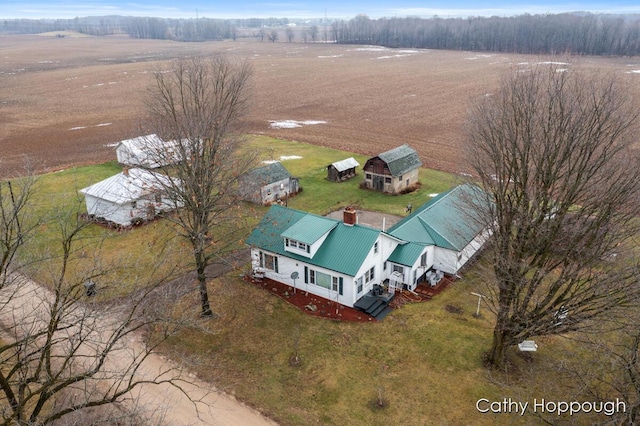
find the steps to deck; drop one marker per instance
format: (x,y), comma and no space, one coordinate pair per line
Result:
(375,305)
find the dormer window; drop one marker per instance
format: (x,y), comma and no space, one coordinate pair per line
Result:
(298,245)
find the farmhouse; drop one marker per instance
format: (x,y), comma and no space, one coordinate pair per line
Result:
(267,184)
(128,197)
(392,171)
(147,151)
(345,262)
(342,170)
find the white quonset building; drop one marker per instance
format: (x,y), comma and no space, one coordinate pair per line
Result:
(148,151)
(130,196)
(343,261)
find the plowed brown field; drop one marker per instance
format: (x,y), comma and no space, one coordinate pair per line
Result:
(66,101)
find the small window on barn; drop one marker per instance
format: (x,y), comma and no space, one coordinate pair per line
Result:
(375,248)
(387,180)
(400,177)
(368,176)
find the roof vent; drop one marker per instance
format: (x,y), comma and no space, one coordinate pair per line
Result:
(350,216)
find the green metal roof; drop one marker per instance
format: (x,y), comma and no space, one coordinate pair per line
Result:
(268,174)
(309,229)
(448,220)
(401,159)
(407,254)
(344,250)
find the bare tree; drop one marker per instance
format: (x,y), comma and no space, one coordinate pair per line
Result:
(313,32)
(552,148)
(289,33)
(200,105)
(273,35)
(62,352)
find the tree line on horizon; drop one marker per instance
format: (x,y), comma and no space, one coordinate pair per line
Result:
(583,34)
(576,33)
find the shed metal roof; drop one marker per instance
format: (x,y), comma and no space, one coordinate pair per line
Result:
(401,159)
(346,164)
(126,187)
(145,143)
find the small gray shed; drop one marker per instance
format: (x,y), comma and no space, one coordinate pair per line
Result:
(342,170)
(267,184)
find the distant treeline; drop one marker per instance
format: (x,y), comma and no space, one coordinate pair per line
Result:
(576,33)
(154,28)
(586,34)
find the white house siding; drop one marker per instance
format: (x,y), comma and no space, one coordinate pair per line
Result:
(287,266)
(451,261)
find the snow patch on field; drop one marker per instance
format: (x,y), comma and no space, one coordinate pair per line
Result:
(633,72)
(433,195)
(95,125)
(370,49)
(282,158)
(291,124)
(330,56)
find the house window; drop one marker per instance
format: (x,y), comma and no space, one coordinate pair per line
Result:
(375,248)
(269,262)
(400,178)
(369,275)
(359,285)
(334,283)
(368,176)
(293,243)
(312,276)
(384,266)
(323,280)
(398,268)
(415,276)
(423,259)
(387,180)
(302,246)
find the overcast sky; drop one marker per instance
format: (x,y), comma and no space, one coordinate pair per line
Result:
(37,9)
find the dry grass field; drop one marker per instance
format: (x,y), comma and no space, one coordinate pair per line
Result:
(66,100)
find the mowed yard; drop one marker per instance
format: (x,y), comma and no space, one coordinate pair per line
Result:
(423,363)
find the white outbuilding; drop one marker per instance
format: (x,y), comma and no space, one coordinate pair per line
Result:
(147,151)
(129,197)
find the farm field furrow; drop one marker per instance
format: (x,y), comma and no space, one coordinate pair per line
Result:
(66,100)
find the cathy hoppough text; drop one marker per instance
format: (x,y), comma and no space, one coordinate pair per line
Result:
(511,406)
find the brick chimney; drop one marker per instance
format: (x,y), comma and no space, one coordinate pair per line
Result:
(349,216)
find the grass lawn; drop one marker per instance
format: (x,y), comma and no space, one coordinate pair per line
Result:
(424,361)
(321,196)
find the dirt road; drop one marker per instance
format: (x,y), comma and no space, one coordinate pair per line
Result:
(25,306)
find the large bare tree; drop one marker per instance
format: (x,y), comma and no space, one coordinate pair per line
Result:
(64,354)
(553,148)
(200,104)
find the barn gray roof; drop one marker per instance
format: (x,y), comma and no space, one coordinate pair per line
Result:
(268,174)
(401,159)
